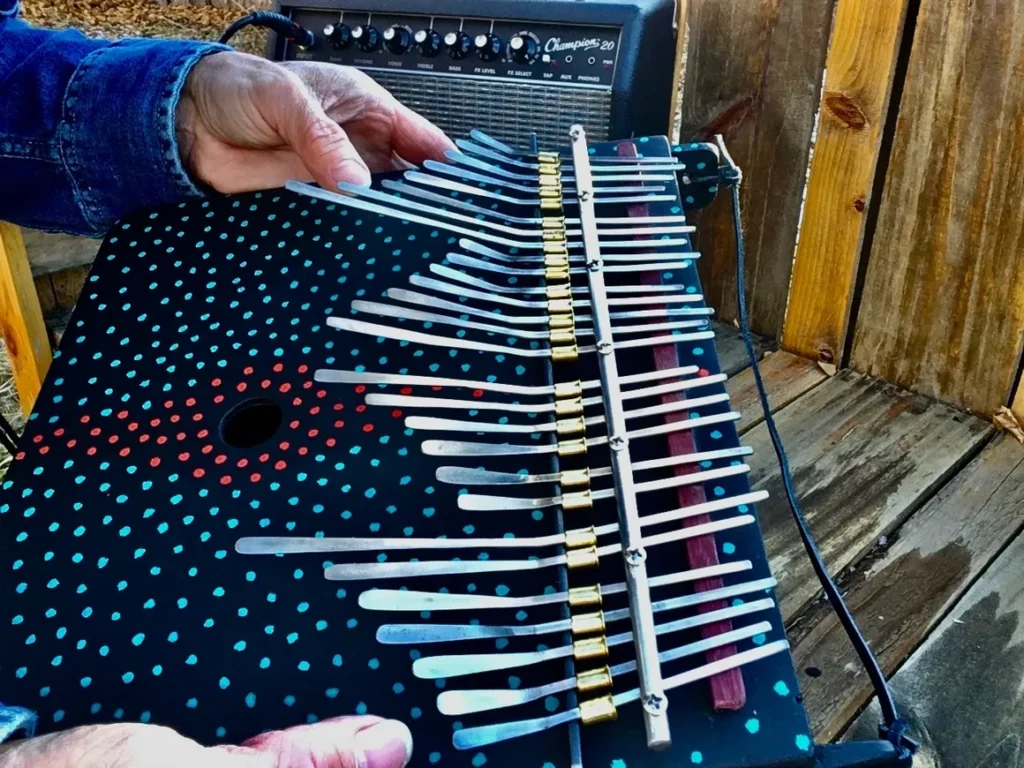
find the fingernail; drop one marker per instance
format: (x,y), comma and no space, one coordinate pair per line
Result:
(386,744)
(353,173)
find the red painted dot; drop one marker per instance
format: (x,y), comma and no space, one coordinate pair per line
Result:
(202,433)
(265,383)
(242,463)
(154,423)
(133,426)
(143,438)
(72,443)
(286,387)
(280,465)
(94,431)
(19,455)
(284,445)
(124,452)
(112,439)
(339,406)
(360,389)
(478,393)
(314,410)
(44,450)
(197,417)
(247,370)
(321,393)
(199,472)
(307,385)
(219,399)
(339,424)
(331,442)
(264,457)
(183,456)
(703,372)
(303,451)
(207,449)
(221,458)
(91,451)
(216,382)
(169,404)
(367,427)
(175,418)
(155,461)
(361,407)
(303,368)
(180,436)
(122,415)
(190,402)
(226,480)
(406,390)
(297,402)
(254,477)
(85,419)
(313,432)
(436,389)
(161,440)
(241,386)
(278,368)
(294,424)
(397,413)
(59,433)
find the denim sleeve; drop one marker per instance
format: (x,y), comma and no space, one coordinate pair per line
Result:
(87,127)
(15,720)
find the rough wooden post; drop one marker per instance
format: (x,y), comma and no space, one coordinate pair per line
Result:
(679,70)
(859,70)
(21,318)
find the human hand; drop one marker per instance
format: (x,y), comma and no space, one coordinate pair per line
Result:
(245,123)
(343,742)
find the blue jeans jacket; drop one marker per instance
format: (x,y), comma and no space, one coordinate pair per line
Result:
(86,135)
(87,128)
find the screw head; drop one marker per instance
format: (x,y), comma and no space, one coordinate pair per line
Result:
(604,348)
(656,705)
(584,195)
(635,556)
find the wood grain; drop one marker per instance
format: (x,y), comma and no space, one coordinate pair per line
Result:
(1017,406)
(21,319)
(48,253)
(961,691)
(732,353)
(753,74)
(864,456)
(861,61)
(905,589)
(943,302)
(786,377)
(679,68)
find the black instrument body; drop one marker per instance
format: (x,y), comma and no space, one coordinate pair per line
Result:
(611,63)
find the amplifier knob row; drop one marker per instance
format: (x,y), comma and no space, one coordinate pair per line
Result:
(523,48)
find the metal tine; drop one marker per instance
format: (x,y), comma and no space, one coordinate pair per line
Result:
(478,502)
(426,179)
(462,664)
(623,173)
(426,300)
(483,250)
(462,277)
(401,188)
(503,155)
(412,401)
(465,702)
(467,448)
(489,266)
(496,298)
(404,313)
(467,175)
(480,476)
(328,376)
(304,545)
(414,634)
(410,600)
(417,568)
(484,735)
(436,423)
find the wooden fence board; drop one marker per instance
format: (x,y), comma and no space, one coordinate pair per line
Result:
(909,587)
(943,303)
(786,377)
(1018,403)
(864,456)
(753,74)
(961,691)
(49,253)
(732,352)
(866,37)
(21,319)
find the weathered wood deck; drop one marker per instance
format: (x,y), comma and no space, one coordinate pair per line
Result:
(918,509)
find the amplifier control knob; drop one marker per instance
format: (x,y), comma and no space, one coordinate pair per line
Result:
(488,47)
(459,44)
(338,35)
(367,38)
(397,39)
(523,48)
(428,42)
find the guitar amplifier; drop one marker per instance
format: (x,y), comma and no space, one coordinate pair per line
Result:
(509,67)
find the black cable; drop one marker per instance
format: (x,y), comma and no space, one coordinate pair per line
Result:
(894,728)
(275,21)
(8,437)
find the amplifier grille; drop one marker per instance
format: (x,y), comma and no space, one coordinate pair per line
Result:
(507,110)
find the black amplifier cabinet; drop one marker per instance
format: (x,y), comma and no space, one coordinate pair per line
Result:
(508,67)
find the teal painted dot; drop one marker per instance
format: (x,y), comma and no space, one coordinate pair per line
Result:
(373,664)
(224,683)
(753,725)
(551,703)
(361,708)
(398,688)
(158,670)
(138,639)
(781,688)
(696,757)
(729,548)
(759,639)
(289,700)
(434,757)
(304,666)
(332,693)
(337,661)
(250,700)
(803,741)
(618,763)
(479,759)
(192,703)
(128,677)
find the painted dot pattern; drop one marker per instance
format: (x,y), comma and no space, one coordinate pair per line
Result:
(124,596)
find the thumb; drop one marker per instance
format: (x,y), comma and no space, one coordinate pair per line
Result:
(321,144)
(343,742)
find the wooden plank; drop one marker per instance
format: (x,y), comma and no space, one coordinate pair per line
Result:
(679,69)
(21,319)
(864,456)
(48,253)
(943,306)
(786,377)
(753,75)
(861,61)
(961,691)
(732,352)
(908,587)
(1017,406)
(68,285)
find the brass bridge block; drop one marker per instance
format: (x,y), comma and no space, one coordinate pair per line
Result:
(581,558)
(551,193)
(559,306)
(584,597)
(557,235)
(552,274)
(572,478)
(556,260)
(575,500)
(552,222)
(548,180)
(588,624)
(569,389)
(598,710)
(547,204)
(559,292)
(590,648)
(594,680)
(572,426)
(569,407)
(565,354)
(581,537)
(561,337)
(556,249)
(575,447)
(561,322)
(548,158)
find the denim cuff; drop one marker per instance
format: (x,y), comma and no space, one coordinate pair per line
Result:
(118,130)
(15,719)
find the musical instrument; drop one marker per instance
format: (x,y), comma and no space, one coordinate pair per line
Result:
(454,448)
(606,65)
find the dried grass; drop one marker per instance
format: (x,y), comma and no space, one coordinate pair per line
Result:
(10,408)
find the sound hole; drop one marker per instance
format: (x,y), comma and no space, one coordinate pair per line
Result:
(250,423)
